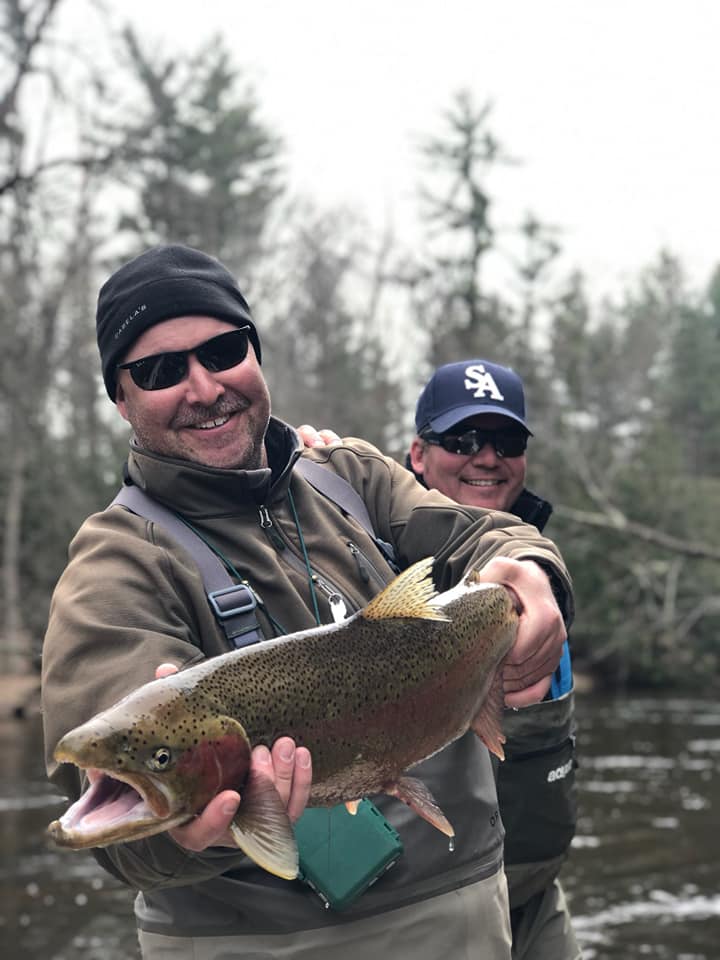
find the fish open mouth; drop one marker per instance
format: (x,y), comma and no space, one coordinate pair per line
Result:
(114,809)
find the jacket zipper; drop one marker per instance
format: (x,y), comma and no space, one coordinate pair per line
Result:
(367,570)
(338,607)
(270,530)
(338,603)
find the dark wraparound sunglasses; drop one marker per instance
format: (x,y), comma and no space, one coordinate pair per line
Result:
(163,370)
(506,443)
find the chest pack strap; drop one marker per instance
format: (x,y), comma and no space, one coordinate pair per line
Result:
(233,604)
(342,493)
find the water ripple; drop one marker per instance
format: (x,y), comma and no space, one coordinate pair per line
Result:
(661,905)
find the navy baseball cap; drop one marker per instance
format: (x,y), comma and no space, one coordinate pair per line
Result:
(464,389)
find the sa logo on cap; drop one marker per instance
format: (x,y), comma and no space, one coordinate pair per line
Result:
(481,382)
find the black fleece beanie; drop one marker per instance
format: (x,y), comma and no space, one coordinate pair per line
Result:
(160,284)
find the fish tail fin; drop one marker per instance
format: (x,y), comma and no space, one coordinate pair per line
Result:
(416,795)
(409,595)
(488,720)
(262,828)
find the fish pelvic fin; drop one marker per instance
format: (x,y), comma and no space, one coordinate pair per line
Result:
(262,828)
(409,595)
(416,795)
(488,720)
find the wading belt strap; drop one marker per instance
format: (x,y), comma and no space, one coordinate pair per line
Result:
(233,604)
(338,490)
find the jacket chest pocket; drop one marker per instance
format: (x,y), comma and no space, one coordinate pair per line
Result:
(367,570)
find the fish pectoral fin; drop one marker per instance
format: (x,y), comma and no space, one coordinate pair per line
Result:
(262,828)
(416,795)
(352,806)
(488,721)
(409,595)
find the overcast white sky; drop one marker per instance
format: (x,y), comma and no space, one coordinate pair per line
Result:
(612,106)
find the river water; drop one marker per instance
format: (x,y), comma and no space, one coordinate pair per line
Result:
(643,878)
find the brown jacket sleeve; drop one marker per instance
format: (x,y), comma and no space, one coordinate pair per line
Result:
(421,522)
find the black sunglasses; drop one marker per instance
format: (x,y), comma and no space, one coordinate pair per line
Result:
(506,443)
(163,370)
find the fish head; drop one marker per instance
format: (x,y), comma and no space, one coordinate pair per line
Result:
(153,761)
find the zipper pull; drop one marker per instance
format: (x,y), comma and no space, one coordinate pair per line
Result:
(338,609)
(269,527)
(362,569)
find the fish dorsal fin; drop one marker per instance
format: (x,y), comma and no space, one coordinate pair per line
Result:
(409,595)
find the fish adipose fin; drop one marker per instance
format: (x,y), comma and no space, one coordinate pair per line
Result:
(409,595)
(262,828)
(416,795)
(488,722)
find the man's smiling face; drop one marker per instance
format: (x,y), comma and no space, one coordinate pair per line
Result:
(482,479)
(215,419)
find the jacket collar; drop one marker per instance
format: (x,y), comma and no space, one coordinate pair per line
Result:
(199,492)
(532,509)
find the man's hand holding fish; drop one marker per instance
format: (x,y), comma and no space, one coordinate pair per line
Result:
(287,766)
(529,665)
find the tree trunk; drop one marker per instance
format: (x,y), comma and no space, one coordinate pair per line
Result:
(16,649)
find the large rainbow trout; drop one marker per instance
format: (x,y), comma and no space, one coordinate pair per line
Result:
(370,697)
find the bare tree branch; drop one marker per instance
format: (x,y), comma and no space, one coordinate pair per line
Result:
(26,46)
(619,523)
(80,163)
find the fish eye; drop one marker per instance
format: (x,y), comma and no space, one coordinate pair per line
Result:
(160,759)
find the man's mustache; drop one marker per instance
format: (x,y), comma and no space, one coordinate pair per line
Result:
(192,416)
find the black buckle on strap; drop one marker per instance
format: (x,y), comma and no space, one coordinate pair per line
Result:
(232,601)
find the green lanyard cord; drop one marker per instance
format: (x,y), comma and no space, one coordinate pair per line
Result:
(311,577)
(230,567)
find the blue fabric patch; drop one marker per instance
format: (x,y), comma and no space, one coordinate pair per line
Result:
(562,678)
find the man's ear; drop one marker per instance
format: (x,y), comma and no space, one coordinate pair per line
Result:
(417,455)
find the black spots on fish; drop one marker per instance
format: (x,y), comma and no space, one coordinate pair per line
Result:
(285,716)
(334,709)
(333,743)
(263,721)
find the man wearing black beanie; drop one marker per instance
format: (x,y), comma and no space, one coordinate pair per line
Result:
(181,359)
(160,284)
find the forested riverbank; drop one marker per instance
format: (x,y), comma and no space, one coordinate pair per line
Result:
(623,391)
